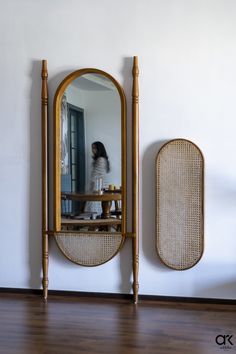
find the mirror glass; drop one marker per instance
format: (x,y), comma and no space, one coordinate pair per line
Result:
(91,155)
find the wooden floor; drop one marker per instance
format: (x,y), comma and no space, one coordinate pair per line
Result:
(66,325)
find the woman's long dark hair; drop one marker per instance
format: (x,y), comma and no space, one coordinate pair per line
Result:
(101,152)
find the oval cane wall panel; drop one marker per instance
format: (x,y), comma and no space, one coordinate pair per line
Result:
(179,204)
(89,249)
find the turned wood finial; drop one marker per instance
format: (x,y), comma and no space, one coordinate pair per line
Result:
(44,69)
(44,75)
(135,71)
(135,66)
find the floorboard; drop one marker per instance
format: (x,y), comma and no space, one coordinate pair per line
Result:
(68,325)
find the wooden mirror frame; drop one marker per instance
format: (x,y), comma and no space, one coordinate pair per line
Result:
(135,166)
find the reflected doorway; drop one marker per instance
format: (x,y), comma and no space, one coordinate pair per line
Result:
(74,180)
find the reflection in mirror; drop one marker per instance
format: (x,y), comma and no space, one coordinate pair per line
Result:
(91,165)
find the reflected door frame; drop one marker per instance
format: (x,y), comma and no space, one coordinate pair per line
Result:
(77,152)
(80,147)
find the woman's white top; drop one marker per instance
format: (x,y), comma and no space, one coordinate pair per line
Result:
(99,170)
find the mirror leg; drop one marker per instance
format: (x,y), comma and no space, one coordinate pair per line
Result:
(45,266)
(135,269)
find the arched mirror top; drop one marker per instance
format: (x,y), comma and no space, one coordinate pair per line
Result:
(87,71)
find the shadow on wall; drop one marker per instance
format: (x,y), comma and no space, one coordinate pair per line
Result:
(126,74)
(149,204)
(126,278)
(35,214)
(126,266)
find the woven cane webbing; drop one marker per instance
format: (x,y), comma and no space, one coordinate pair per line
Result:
(179,194)
(89,249)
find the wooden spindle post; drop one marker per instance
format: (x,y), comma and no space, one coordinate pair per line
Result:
(135,174)
(44,113)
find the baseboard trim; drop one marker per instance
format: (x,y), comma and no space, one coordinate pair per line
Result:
(196,300)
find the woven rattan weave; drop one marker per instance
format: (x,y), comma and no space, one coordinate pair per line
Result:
(89,249)
(179,197)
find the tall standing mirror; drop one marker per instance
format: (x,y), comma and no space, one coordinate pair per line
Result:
(90,208)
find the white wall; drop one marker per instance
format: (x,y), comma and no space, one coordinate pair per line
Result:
(187,53)
(103,123)
(102,115)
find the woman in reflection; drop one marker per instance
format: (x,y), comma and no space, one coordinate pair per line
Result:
(99,174)
(101,165)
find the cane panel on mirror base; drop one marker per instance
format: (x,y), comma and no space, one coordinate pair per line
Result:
(179,204)
(89,249)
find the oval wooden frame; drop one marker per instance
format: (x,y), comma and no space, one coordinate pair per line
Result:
(56,142)
(158,206)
